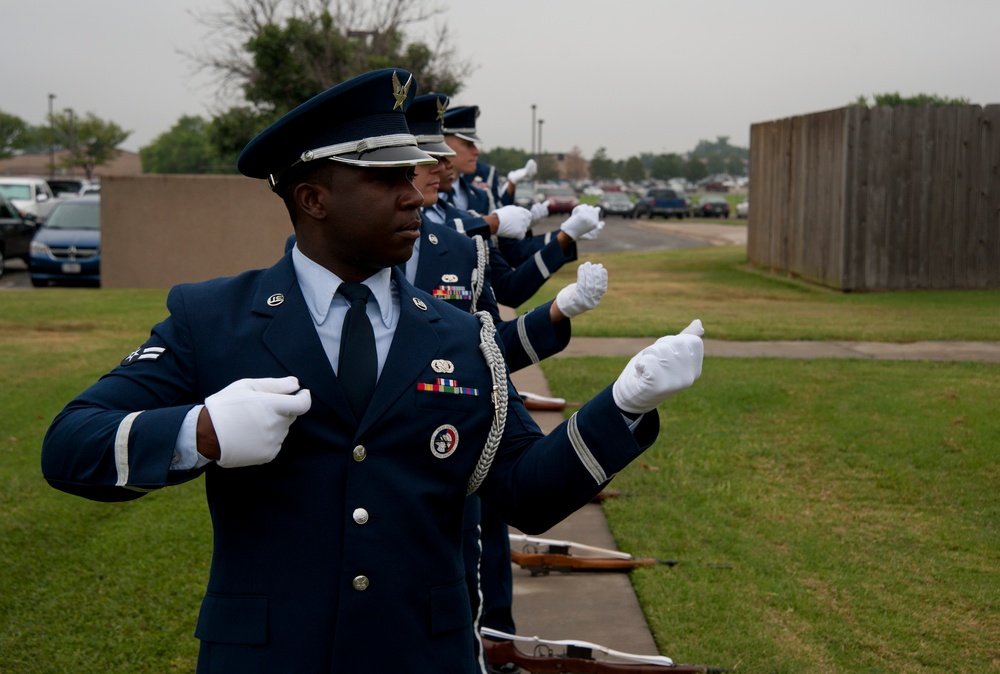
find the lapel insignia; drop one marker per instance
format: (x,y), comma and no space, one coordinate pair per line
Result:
(275,299)
(442,366)
(444,441)
(419,304)
(399,91)
(449,278)
(432,238)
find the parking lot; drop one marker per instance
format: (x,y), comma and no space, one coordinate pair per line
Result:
(619,234)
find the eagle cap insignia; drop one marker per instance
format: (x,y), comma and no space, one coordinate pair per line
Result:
(442,107)
(399,91)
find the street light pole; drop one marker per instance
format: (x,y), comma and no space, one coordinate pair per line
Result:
(532,128)
(540,146)
(52,140)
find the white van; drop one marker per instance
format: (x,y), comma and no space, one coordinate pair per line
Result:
(32,196)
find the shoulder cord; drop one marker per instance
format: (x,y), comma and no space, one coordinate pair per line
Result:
(479,275)
(498,369)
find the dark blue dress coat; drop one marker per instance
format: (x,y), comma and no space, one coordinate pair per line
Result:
(298,583)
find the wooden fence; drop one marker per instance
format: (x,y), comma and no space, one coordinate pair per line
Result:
(884,198)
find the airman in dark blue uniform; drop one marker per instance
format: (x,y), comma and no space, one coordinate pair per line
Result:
(337,521)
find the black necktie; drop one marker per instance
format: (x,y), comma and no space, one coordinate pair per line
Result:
(358,366)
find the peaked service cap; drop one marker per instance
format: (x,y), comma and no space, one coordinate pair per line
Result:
(424,118)
(361,122)
(461,122)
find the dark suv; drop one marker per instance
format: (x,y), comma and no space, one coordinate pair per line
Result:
(663,201)
(15,233)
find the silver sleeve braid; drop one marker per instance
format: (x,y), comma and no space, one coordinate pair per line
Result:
(498,369)
(479,277)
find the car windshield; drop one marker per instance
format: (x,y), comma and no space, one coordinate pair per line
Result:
(75,215)
(713,200)
(617,196)
(16,191)
(663,194)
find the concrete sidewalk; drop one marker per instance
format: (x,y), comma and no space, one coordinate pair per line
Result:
(601,607)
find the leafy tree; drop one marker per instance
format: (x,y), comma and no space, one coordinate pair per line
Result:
(505,159)
(185,148)
(575,165)
(91,141)
(275,54)
(230,131)
(633,171)
(694,169)
(547,168)
(736,167)
(895,99)
(13,134)
(666,166)
(601,167)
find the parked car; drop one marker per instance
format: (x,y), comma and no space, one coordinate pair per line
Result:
(524,194)
(15,233)
(712,207)
(67,187)
(561,198)
(616,203)
(663,201)
(31,196)
(743,209)
(67,247)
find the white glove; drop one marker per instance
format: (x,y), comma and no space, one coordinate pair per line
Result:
(594,233)
(585,218)
(251,418)
(659,371)
(526,173)
(539,211)
(586,293)
(514,221)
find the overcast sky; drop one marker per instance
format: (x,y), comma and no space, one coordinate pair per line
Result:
(629,75)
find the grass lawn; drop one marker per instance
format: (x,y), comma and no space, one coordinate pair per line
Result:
(659,292)
(852,504)
(855,501)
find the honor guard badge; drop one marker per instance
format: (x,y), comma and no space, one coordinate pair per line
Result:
(443,366)
(144,353)
(449,278)
(275,299)
(444,441)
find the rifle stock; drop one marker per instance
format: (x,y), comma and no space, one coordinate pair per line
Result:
(579,662)
(544,562)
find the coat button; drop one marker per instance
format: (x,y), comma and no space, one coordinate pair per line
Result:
(360,583)
(360,453)
(360,515)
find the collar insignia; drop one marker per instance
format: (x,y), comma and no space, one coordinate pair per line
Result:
(399,91)
(432,238)
(275,299)
(419,304)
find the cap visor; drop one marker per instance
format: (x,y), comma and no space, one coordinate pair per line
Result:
(437,149)
(407,155)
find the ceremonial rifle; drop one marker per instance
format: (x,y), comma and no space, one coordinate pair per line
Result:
(542,555)
(578,657)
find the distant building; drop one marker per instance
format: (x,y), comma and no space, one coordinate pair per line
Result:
(127,164)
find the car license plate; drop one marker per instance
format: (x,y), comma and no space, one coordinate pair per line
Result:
(71,267)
